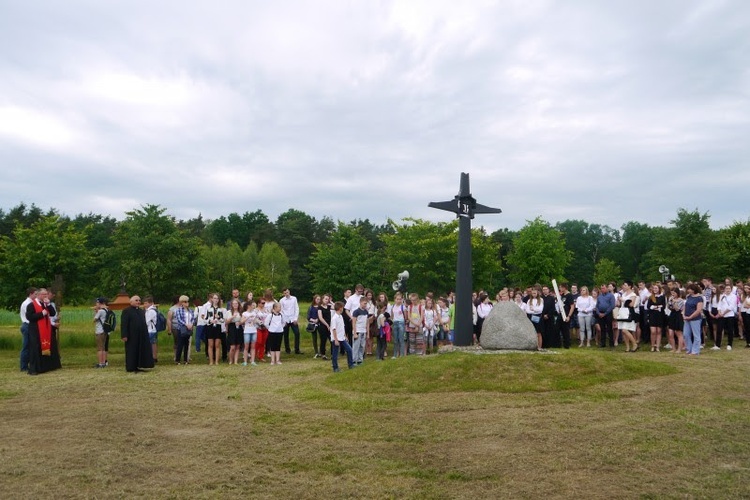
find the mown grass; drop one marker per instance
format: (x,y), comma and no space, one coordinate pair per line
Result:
(577,424)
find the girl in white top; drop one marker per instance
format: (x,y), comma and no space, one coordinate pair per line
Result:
(251,319)
(585,305)
(535,307)
(399,326)
(727,309)
(445,318)
(628,302)
(745,311)
(518,299)
(372,322)
(431,321)
(275,325)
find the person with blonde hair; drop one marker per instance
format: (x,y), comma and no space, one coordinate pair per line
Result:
(627,317)
(535,308)
(585,305)
(414,324)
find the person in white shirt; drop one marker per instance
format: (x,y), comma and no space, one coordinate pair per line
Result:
(535,307)
(745,311)
(727,307)
(30,296)
(290,315)
(585,305)
(350,304)
(216,339)
(338,338)
(642,332)
(153,335)
(200,325)
(628,302)
(250,319)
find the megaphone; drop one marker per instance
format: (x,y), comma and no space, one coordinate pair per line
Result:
(663,269)
(400,283)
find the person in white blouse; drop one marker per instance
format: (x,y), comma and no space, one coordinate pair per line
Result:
(534,308)
(585,305)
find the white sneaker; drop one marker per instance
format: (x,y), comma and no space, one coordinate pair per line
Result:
(716,348)
(729,348)
(668,346)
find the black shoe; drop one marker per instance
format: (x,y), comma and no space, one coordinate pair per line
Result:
(288,351)
(298,352)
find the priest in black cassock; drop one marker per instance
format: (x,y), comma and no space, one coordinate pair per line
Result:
(550,331)
(44,354)
(134,333)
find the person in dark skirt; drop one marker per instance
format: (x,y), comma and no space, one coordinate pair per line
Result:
(676,322)
(656,306)
(234,330)
(275,325)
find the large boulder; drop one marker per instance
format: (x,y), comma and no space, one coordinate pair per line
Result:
(508,327)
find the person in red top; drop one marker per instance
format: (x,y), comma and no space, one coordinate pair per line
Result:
(44,354)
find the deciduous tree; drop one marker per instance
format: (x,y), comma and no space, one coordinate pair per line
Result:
(539,254)
(34,255)
(345,260)
(155,257)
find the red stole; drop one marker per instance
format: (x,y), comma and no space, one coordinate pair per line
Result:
(45,330)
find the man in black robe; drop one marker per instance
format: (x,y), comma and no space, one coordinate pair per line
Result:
(550,331)
(569,304)
(44,354)
(134,333)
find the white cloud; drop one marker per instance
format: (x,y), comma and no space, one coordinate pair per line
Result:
(371,110)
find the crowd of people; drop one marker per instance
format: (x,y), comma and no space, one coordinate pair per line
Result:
(660,315)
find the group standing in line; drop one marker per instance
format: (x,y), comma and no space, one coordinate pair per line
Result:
(627,314)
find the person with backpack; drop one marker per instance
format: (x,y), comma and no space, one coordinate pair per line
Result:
(151,320)
(100,316)
(185,322)
(384,332)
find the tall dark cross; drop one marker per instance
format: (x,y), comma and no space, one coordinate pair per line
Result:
(464,206)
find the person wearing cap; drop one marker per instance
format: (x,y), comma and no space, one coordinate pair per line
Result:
(100,315)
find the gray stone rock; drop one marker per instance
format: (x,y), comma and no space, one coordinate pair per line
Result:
(508,327)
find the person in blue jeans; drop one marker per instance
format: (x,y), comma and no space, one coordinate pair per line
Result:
(691,313)
(338,338)
(398,316)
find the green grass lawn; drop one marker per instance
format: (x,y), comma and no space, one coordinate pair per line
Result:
(577,424)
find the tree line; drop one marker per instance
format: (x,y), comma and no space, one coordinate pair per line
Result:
(151,252)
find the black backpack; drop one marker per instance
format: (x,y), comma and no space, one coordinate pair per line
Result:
(110,321)
(161,321)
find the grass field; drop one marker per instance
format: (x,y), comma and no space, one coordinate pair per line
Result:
(578,424)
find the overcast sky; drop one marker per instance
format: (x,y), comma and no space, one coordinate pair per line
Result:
(602,111)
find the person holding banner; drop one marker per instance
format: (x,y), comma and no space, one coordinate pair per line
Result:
(568,306)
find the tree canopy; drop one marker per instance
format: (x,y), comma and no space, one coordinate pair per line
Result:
(155,254)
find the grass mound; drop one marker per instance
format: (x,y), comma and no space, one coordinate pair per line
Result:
(508,373)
